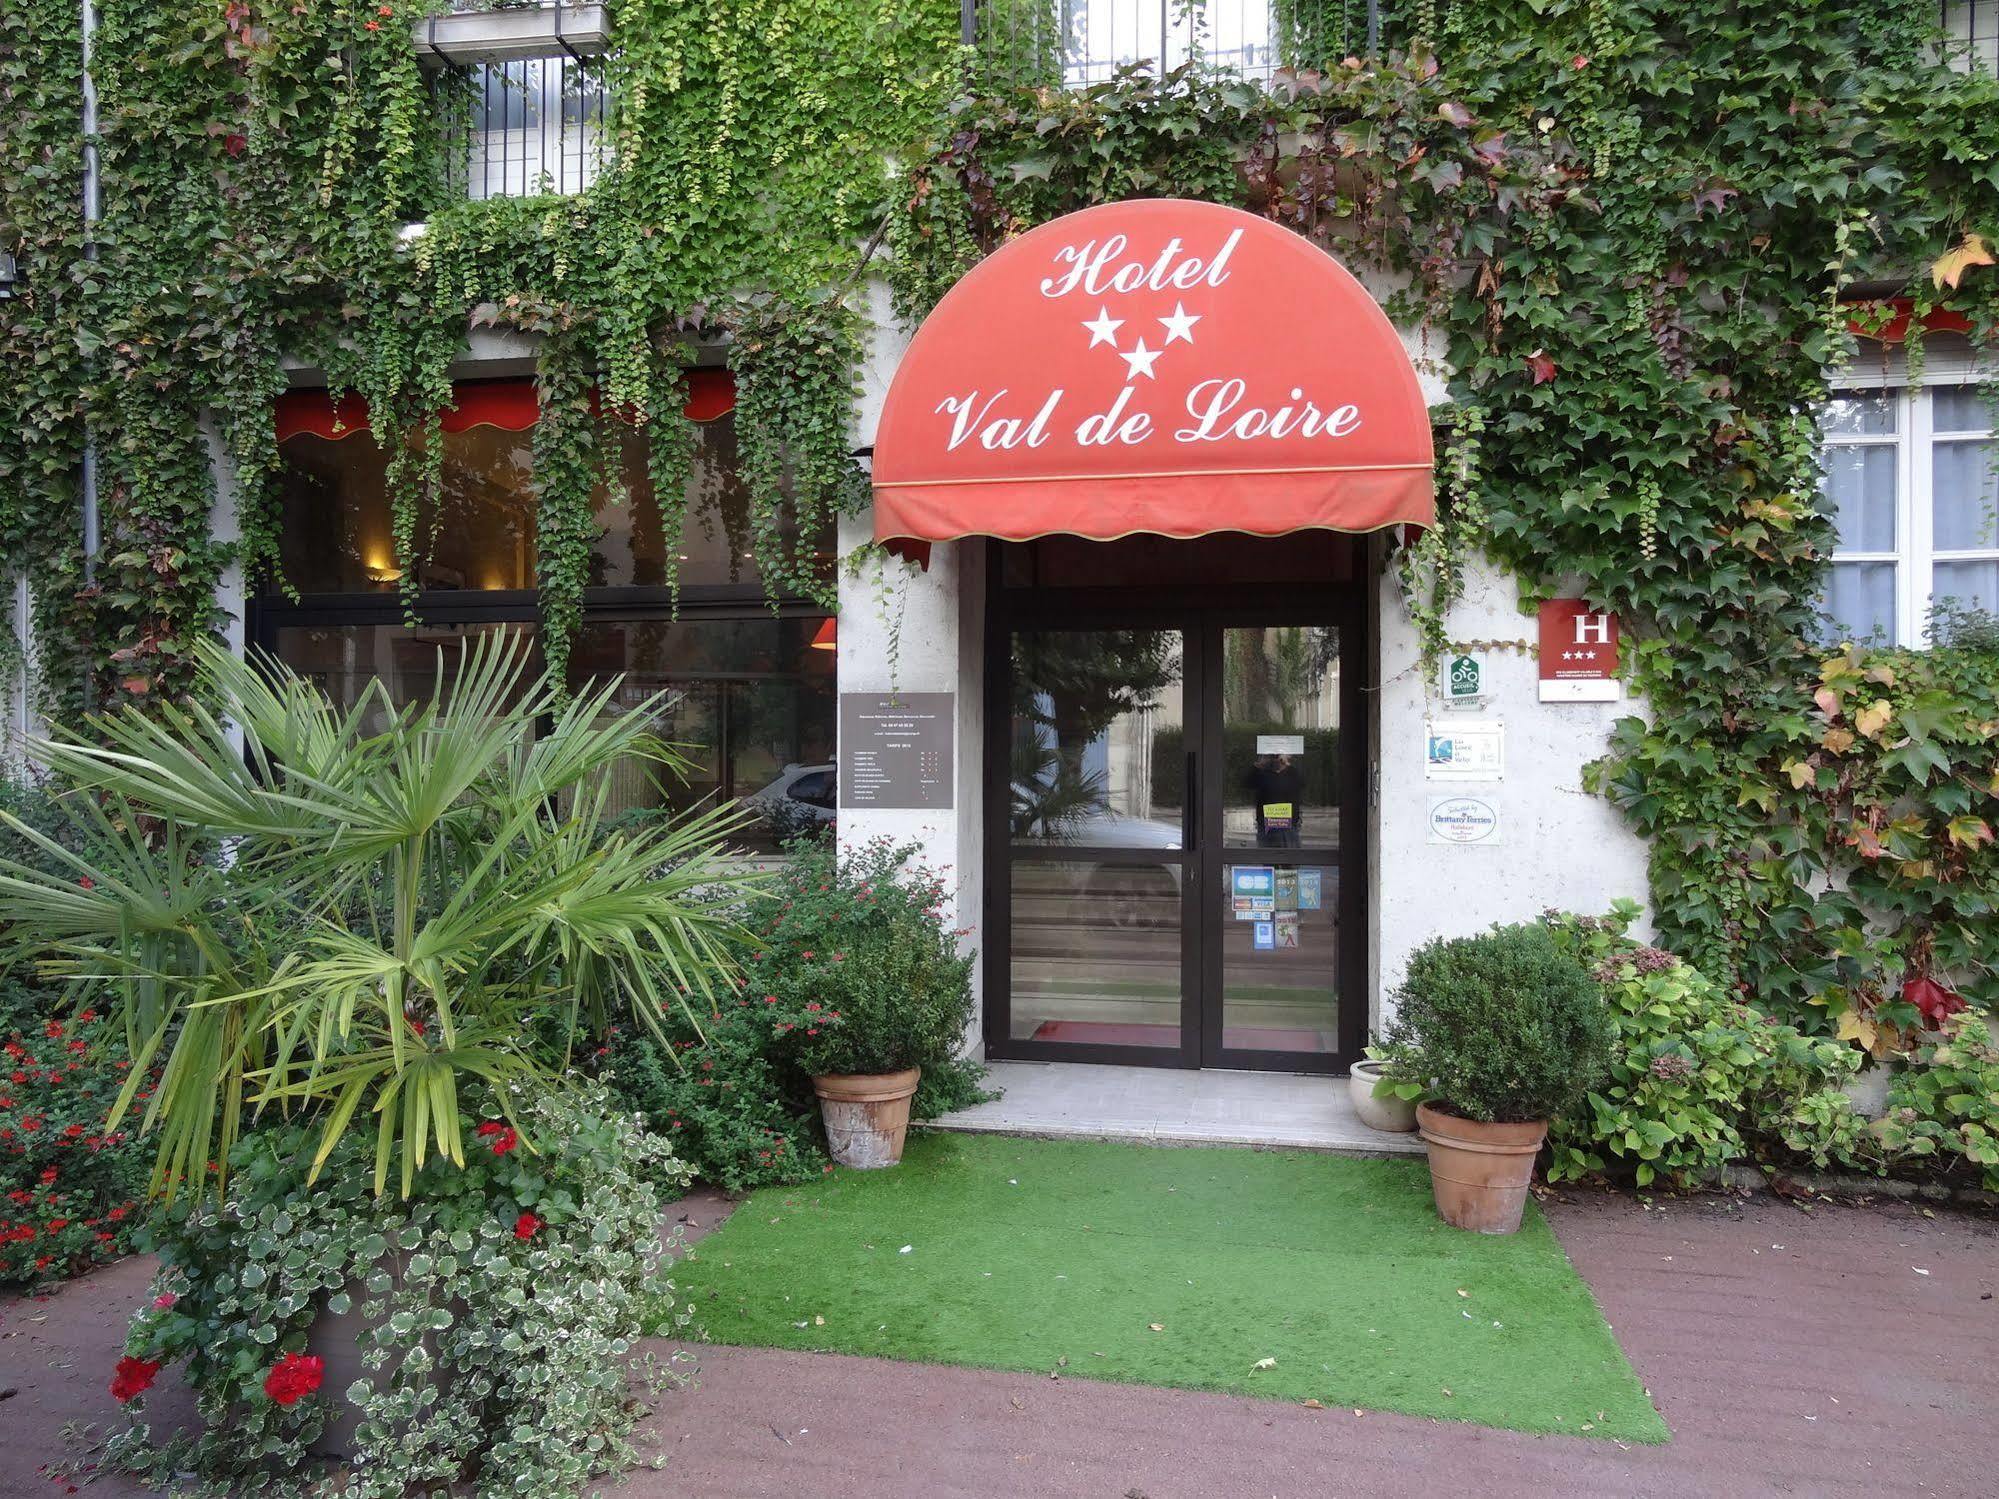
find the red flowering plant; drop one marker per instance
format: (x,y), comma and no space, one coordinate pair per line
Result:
(858,968)
(506,1294)
(72,1192)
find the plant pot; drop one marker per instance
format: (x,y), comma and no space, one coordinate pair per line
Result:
(867,1115)
(1394,1116)
(1479,1172)
(342,1339)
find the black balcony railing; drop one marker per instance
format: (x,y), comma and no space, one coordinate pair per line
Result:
(525,126)
(1972,31)
(1079,42)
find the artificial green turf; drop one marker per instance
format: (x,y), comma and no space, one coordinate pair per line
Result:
(1058,1256)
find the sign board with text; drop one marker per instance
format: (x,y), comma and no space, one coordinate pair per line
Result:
(1465,750)
(1578,653)
(1461,680)
(1464,820)
(895,749)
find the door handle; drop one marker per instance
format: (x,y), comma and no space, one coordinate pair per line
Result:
(1190,801)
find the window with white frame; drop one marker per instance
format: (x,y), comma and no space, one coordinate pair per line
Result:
(1971,33)
(1912,486)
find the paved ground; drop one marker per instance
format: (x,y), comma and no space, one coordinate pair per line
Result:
(1792,1354)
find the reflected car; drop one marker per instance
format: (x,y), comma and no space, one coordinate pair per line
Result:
(802,799)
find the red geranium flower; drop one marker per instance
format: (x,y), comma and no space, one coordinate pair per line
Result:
(502,1135)
(294,1377)
(526,1226)
(133,1377)
(164,1300)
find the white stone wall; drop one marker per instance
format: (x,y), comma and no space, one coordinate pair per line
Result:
(1559,845)
(938,615)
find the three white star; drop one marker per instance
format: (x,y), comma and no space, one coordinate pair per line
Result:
(1103,328)
(1181,324)
(1139,361)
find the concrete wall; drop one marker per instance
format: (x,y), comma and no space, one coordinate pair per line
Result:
(937,616)
(1559,845)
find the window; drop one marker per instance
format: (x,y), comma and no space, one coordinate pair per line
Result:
(532,125)
(521,94)
(1087,41)
(1971,28)
(751,688)
(1910,482)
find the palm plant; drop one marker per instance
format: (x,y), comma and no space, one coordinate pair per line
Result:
(365,913)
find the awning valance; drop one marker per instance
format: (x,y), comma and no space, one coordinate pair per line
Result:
(1159,366)
(510,405)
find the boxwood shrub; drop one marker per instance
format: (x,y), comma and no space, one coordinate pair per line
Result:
(1501,1027)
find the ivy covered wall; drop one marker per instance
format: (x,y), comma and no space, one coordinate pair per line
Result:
(259,162)
(1640,231)
(1637,229)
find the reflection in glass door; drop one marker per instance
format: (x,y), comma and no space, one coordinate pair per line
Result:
(1277,745)
(1095,822)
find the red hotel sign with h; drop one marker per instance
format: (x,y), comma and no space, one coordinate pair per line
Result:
(1578,653)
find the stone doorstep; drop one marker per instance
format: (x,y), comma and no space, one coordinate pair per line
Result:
(1131,1133)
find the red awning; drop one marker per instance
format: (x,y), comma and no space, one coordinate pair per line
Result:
(507,404)
(1159,366)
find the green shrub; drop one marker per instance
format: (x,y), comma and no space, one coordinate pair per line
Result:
(854,971)
(411,917)
(855,964)
(1944,1110)
(1696,1080)
(734,1111)
(1501,1027)
(504,1298)
(72,1191)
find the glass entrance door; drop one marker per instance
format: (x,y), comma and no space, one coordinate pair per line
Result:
(1172,794)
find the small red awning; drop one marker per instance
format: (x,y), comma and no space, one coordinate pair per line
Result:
(1159,366)
(508,404)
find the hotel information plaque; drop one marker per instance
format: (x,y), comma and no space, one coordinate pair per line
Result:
(895,749)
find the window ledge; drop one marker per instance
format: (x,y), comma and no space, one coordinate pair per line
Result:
(464,38)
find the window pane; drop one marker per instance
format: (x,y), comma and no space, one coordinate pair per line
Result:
(1863,413)
(536,126)
(1959,408)
(337,536)
(343,659)
(715,540)
(1280,971)
(1975,583)
(1860,490)
(1099,755)
(751,704)
(1280,736)
(1860,600)
(1095,956)
(1964,496)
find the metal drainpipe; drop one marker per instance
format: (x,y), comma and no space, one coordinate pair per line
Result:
(93,211)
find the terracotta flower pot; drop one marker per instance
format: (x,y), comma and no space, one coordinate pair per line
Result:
(1480,1172)
(867,1115)
(1395,1116)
